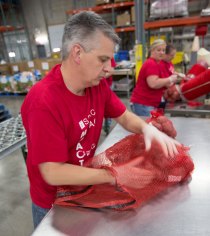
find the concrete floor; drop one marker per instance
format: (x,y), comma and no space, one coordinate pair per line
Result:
(15,203)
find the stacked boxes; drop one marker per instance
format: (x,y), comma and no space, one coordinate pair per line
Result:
(124,19)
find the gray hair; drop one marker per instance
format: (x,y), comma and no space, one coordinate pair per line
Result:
(82,28)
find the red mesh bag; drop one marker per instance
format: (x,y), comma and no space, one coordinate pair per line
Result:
(196,69)
(191,89)
(162,123)
(172,93)
(196,87)
(145,173)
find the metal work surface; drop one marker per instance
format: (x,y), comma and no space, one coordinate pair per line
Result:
(182,210)
(12,136)
(183,109)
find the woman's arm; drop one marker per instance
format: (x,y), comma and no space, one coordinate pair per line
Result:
(155,82)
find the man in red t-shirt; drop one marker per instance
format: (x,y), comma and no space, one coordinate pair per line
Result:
(63,114)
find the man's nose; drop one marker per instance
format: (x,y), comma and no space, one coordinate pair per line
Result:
(107,67)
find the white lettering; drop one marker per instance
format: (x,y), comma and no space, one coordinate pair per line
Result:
(92,112)
(86,121)
(93,146)
(81,162)
(91,124)
(88,153)
(172,178)
(80,154)
(79,146)
(81,124)
(83,134)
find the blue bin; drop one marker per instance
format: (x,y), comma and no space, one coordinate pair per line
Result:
(121,56)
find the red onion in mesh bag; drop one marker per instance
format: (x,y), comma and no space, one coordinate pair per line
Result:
(140,176)
(162,123)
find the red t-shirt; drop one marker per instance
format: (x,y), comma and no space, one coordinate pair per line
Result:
(63,127)
(167,68)
(142,93)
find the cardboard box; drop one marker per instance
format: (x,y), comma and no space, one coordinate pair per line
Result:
(124,19)
(30,66)
(53,62)
(42,65)
(132,14)
(18,67)
(5,69)
(45,65)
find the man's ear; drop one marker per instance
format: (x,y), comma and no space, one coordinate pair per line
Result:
(76,53)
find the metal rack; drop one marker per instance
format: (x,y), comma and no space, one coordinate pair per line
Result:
(12,136)
(183,109)
(129,74)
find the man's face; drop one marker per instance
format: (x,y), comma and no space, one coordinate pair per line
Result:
(97,62)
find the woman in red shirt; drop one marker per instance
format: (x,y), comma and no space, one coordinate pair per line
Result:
(151,82)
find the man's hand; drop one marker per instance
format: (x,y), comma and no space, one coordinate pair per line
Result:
(168,144)
(131,175)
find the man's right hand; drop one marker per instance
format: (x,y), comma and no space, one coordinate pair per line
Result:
(131,175)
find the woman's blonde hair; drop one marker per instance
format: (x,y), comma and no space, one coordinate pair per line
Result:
(156,43)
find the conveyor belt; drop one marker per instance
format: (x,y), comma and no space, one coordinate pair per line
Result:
(12,136)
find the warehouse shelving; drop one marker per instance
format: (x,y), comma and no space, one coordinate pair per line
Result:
(14,37)
(108,8)
(175,22)
(103,8)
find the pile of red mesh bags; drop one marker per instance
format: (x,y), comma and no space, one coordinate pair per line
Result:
(196,84)
(140,175)
(196,87)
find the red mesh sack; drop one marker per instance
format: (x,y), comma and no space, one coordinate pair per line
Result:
(139,176)
(162,123)
(196,87)
(172,93)
(196,69)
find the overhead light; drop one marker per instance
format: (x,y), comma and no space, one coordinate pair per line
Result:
(12,54)
(56,49)
(41,39)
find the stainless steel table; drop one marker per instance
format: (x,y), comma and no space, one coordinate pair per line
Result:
(183,210)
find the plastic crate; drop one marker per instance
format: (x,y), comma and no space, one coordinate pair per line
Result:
(121,55)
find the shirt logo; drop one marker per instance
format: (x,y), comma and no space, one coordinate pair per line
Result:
(81,124)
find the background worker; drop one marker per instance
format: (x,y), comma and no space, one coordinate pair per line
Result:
(63,115)
(151,82)
(167,67)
